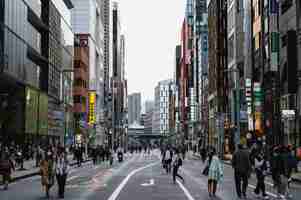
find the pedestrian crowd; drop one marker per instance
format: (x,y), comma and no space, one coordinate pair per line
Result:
(279,162)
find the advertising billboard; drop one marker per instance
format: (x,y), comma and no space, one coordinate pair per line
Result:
(92,101)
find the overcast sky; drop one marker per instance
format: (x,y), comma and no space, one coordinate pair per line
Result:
(152,30)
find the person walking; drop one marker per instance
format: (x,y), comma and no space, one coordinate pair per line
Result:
(177,163)
(203,154)
(47,172)
(6,168)
(168,160)
(260,165)
(61,170)
(242,169)
(215,174)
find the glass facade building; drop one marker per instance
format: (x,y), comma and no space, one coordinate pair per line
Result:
(36,46)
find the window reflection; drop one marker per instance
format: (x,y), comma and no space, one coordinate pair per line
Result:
(36,6)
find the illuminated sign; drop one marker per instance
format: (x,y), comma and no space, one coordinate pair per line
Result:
(92,100)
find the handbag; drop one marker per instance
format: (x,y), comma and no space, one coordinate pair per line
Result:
(206,170)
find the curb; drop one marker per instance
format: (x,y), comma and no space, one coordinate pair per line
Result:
(36,173)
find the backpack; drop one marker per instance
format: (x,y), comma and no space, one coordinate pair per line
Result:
(180,162)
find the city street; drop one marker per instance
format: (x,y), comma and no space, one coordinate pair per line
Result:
(139,177)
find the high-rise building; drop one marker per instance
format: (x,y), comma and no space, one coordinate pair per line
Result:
(134,105)
(36,61)
(161,115)
(217,17)
(87,20)
(106,12)
(149,106)
(235,62)
(118,78)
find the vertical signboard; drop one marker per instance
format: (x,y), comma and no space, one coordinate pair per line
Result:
(92,101)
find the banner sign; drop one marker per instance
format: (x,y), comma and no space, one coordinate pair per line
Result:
(92,101)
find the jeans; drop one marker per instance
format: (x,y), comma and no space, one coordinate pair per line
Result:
(241,177)
(260,186)
(175,174)
(61,181)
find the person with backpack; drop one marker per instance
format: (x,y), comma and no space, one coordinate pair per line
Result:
(215,174)
(177,163)
(260,165)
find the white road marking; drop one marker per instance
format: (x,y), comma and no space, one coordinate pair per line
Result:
(72,177)
(151,182)
(268,193)
(188,195)
(123,183)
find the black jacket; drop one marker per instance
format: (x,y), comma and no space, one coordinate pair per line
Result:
(241,162)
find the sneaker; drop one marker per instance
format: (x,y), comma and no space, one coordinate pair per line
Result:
(256,195)
(266,197)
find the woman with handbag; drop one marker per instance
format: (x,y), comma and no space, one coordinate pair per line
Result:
(47,172)
(215,174)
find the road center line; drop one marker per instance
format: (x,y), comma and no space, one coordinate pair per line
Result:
(123,183)
(188,195)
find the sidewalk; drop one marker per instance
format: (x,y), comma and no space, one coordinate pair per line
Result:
(295,177)
(32,170)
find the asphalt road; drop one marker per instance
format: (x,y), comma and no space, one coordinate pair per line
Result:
(140,177)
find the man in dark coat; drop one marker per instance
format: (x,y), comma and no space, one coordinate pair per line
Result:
(242,169)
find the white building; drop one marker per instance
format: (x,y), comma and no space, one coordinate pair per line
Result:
(161,110)
(87,19)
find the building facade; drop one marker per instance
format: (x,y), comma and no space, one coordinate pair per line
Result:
(118,80)
(217,60)
(81,85)
(162,107)
(87,19)
(134,102)
(33,64)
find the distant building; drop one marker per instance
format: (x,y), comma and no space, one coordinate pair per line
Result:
(161,111)
(134,107)
(149,106)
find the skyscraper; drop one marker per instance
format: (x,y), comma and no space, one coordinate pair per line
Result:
(88,22)
(161,115)
(134,105)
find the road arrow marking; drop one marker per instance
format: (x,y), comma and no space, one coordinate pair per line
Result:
(151,182)
(117,191)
